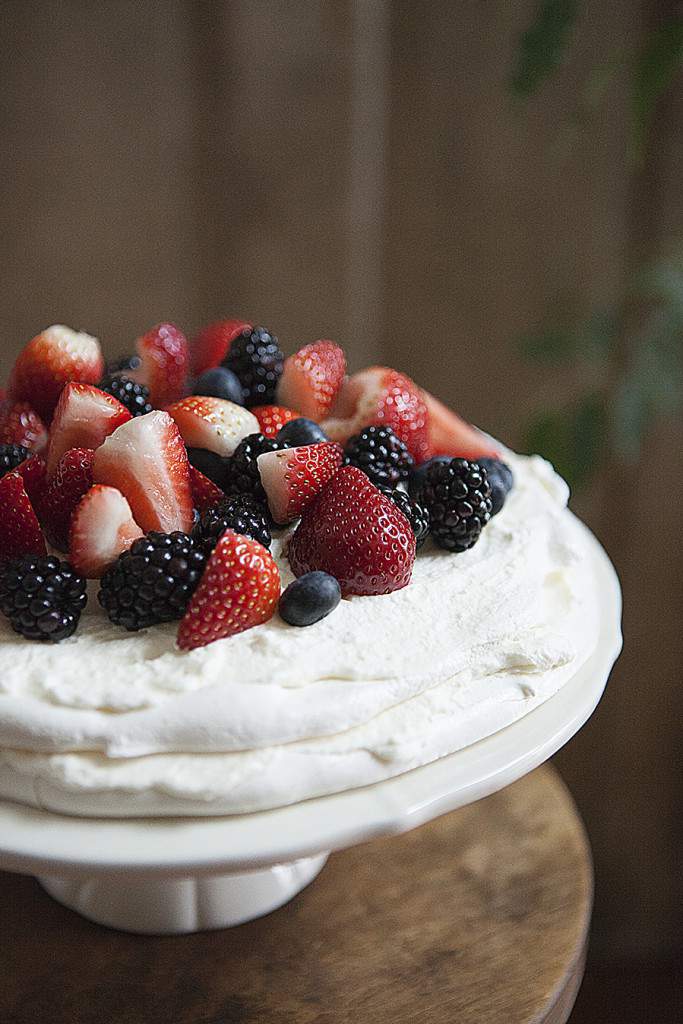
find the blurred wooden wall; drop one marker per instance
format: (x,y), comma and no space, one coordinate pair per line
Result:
(357,170)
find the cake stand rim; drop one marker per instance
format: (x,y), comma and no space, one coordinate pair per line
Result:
(33,841)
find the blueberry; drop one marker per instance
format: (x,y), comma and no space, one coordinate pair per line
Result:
(210,464)
(417,476)
(310,598)
(501,481)
(300,432)
(219,382)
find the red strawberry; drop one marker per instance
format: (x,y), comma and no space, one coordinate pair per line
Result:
(451,435)
(102,528)
(312,378)
(212,423)
(34,474)
(240,588)
(147,461)
(52,359)
(71,480)
(293,477)
(165,358)
(356,534)
(205,493)
(19,424)
(20,533)
(272,418)
(210,347)
(380,396)
(84,417)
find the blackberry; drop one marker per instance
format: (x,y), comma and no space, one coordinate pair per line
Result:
(239,513)
(457,495)
(153,581)
(134,396)
(501,481)
(42,597)
(257,360)
(123,363)
(415,513)
(241,472)
(418,474)
(381,455)
(11,456)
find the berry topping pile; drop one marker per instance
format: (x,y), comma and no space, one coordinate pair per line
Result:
(166,475)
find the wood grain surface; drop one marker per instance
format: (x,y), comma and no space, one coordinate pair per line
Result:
(480,917)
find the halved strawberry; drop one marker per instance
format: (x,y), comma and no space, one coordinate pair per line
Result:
(102,528)
(53,358)
(352,531)
(71,480)
(147,461)
(205,493)
(33,471)
(240,588)
(210,347)
(293,477)
(312,378)
(84,417)
(380,396)
(20,424)
(165,361)
(451,435)
(272,418)
(212,423)
(20,533)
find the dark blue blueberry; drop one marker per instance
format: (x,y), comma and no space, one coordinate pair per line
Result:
(300,432)
(417,475)
(310,598)
(501,481)
(219,382)
(210,464)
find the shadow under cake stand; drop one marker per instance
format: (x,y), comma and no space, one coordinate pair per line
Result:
(181,875)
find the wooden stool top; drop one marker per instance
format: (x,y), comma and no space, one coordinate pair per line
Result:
(480,917)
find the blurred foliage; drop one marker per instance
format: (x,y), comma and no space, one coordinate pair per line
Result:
(635,372)
(624,401)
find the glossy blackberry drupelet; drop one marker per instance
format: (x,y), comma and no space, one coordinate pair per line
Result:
(153,581)
(241,471)
(419,473)
(309,598)
(11,456)
(381,455)
(134,396)
(219,382)
(501,480)
(42,597)
(417,516)
(457,495)
(301,432)
(257,360)
(239,512)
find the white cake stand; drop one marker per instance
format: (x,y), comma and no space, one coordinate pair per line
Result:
(172,876)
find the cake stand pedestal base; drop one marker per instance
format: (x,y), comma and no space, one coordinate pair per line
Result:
(178,906)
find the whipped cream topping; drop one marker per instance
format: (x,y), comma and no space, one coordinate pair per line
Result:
(116,723)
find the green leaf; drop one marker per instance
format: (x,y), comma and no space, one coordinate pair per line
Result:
(552,346)
(543,45)
(572,438)
(659,63)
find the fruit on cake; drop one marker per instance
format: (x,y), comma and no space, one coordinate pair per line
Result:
(231,580)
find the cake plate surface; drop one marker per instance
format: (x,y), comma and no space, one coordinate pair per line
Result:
(180,875)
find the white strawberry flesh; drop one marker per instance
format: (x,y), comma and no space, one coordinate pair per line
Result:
(213,423)
(84,417)
(292,478)
(102,528)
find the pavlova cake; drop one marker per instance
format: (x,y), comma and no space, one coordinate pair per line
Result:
(231,581)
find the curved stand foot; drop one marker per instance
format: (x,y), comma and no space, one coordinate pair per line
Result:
(177,906)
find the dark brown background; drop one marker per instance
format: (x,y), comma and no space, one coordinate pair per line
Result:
(357,170)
